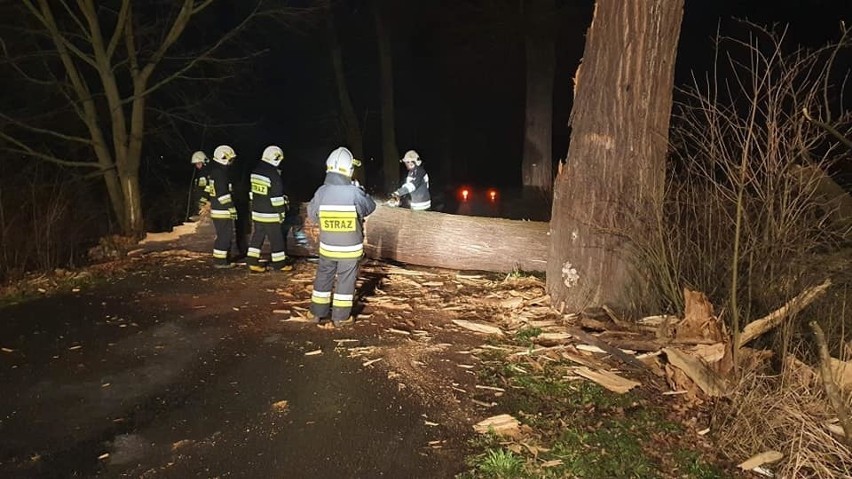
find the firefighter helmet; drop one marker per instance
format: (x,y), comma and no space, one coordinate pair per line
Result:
(341,161)
(224,154)
(199,157)
(411,156)
(272,155)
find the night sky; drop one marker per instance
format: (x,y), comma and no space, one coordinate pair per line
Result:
(459,82)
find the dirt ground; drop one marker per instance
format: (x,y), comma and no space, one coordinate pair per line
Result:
(170,368)
(159,365)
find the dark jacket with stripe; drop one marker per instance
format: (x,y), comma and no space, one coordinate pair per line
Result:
(417,185)
(339,208)
(267,194)
(219,189)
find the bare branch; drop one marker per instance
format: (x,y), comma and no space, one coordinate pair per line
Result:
(204,56)
(43,131)
(174,33)
(45,16)
(121,23)
(25,150)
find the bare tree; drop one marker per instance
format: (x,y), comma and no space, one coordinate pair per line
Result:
(616,160)
(106,60)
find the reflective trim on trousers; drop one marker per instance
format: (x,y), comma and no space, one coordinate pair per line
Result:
(321,297)
(225,199)
(265,217)
(254,252)
(420,206)
(343,300)
(220,254)
(278,256)
(220,214)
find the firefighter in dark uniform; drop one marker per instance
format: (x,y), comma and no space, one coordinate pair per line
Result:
(416,183)
(268,208)
(200,184)
(222,208)
(339,208)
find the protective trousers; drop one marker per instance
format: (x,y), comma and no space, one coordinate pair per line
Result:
(263,230)
(224,235)
(340,303)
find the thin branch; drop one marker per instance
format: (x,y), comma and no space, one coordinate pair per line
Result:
(202,57)
(43,131)
(120,24)
(25,150)
(46,19)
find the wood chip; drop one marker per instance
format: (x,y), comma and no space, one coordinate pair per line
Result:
(399,331)
(280,406)
(698,372)
(478,327)
(314,352)
(503,425)
(490,388)
(7,350)
(608,379)
(372,361)
(758,460)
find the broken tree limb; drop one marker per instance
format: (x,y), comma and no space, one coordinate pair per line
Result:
(831,388)
(588,338)
(697,371)
(430,238)
(757,328)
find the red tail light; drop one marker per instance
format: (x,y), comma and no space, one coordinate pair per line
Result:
(464,193)
(492,195)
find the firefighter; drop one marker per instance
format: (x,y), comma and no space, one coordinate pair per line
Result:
(222,208)
(268,207)
(339,208)
(416,183)
(200,184)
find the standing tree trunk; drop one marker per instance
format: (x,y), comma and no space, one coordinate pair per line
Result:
(351,126)
(613,181)
(536,168)
(390,154)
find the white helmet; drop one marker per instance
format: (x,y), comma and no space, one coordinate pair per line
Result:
(341,161)
(199,157)
(224,154)
(411,156)
(272,155)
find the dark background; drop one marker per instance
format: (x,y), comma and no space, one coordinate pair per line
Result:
(459,83)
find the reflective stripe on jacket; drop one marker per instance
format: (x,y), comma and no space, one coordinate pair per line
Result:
(417,185)
(339,208)
(219,189)
(267,194)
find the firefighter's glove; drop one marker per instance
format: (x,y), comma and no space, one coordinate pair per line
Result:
(286,201)
(233,212)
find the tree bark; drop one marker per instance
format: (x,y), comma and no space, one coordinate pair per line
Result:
(612,184)
(536,167)
(390,154)
(441,240)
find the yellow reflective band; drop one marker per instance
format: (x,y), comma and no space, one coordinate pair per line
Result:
(219,254)
(265,217)
(342,303)
(254,252)
(341,254)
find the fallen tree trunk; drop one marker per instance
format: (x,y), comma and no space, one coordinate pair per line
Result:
(430,238)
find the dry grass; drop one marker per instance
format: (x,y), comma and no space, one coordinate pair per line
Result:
(785,414)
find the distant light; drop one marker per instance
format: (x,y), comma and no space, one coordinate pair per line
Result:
(465,194)
(492,195)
